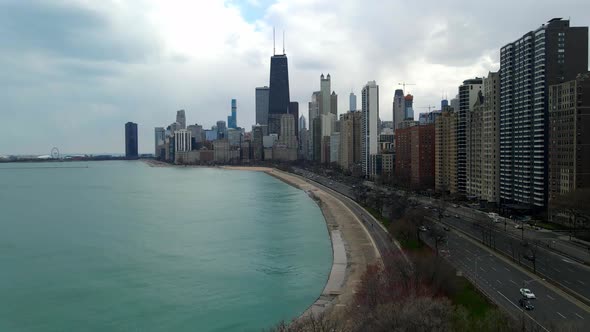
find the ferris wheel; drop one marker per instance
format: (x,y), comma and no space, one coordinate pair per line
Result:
(55,153)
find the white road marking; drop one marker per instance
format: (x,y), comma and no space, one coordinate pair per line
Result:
(469,259)
(512,281)
(493,268)
(481,268)
(568,282)
(507,269)
(557,270)
(518,308)
(581,282)
(549,296)
(578,315)
(499,281)
(561,314)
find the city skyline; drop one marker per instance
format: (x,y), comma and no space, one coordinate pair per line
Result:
(67,88)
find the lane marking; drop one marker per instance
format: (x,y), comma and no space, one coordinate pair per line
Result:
(581,282)
(519,309)
(549,296)
(499,281)
(557,270)
(469,259)
(481,268)
(507,269)
(512,282)
(493,268)
(469,252)
(559,313)
(578,315)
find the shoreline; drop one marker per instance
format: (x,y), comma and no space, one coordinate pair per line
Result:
(352,247)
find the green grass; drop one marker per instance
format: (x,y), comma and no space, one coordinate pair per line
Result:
(412,244)
(469,297)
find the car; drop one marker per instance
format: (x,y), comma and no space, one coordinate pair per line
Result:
(518,226)
(455,205)
(526,293)
(457,216)
(446,228)
(525,303)
(423,228)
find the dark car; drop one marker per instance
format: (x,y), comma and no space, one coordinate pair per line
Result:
(446,228)
(525,303)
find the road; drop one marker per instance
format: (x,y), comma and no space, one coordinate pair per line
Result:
(501,281)
(568,274)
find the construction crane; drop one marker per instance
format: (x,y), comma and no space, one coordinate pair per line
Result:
(403,84)
(429,107)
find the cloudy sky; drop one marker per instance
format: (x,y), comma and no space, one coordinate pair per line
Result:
(72,72)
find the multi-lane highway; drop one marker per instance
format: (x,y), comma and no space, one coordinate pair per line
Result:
(568,274)
(501,281)
(497,276)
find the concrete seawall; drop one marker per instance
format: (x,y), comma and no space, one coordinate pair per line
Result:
(352,248)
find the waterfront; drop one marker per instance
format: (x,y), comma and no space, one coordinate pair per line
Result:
(123,246)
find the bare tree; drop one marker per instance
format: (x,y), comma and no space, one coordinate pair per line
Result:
(576,204)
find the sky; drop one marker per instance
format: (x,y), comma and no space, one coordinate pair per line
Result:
(73,72)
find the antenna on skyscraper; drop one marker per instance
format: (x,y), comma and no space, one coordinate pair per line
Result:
(283,42)
(273,41)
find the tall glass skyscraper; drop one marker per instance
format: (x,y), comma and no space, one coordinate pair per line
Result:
(131,141)
(278,99)
(231,119)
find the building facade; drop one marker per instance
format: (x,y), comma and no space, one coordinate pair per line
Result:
(468,94)
(473,139)
(446,151)
(569,137)
(262,95)
(552,54)
(232,121)
(490,159)
(399,108)
(160,138)
(350,139)
(181,119)
(278,98)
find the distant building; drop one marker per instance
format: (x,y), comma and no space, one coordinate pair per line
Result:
(409,103)
(221,130)
(262,95)
(234,137)
(131,144)
(474,145)
(399,108)
(197,135)
(369,126)
(181,119)
(352,102)
(221,151)
(257,146)
(232,121)
(278,99)
(350,139)
(334,147)
(210,135)
(183,142)
(569,137)
(160,138)
(334,104)
(294,111)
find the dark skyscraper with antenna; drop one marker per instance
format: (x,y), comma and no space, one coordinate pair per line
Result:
(278,102)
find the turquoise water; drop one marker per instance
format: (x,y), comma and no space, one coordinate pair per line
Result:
(121,246)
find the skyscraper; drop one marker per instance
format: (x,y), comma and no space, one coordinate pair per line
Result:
(294,110)
(160,138)
(552,54)
(181,119)
(232,120)
(469,93)
(221,130)
(352,102)
(278,98)
(325,88)
(131,141)
(446,151)
(399,108)
(350,137)
(262,94)
(370,126)
(490,185)
(409,103)
(334,104)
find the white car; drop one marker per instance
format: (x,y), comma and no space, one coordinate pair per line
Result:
(527,293)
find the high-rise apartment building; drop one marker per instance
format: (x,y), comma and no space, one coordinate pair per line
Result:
(409,104)
(221,130)
(415,156)
(181,119)
(257,146)
(552,54)
(468,94)
(325,89)
(294,111)
(446,151)
(370,123)
(490,154)
(315,127)
(232,121)
(473,148)
(278,98)
(262,95)
(569,137)
(182,141)
(334,104)
(131,150)
(350,139)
